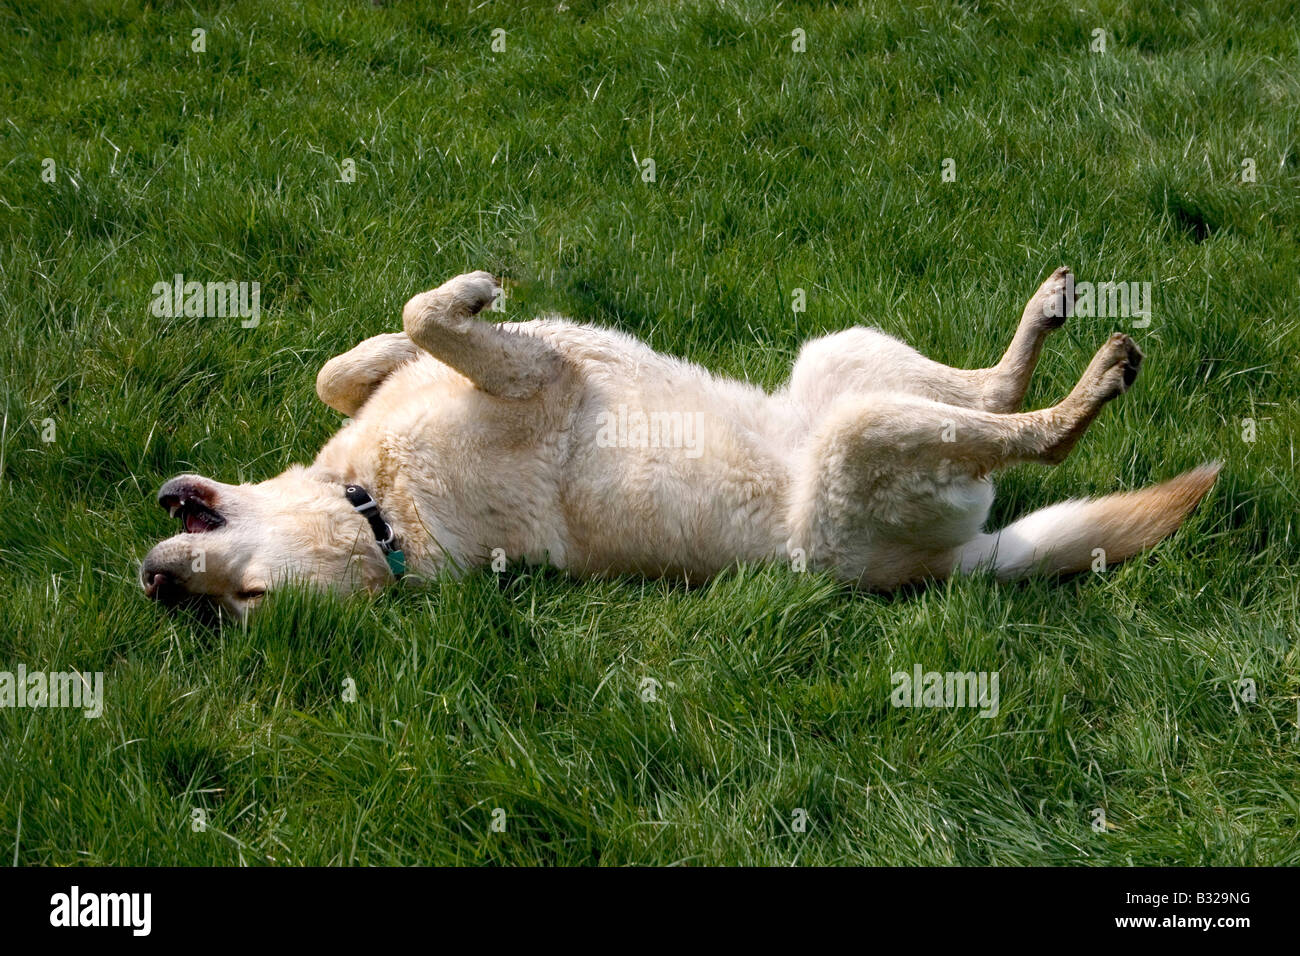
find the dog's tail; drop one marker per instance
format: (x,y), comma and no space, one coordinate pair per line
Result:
(1075,535)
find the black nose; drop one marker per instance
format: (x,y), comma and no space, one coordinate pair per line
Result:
(161,585)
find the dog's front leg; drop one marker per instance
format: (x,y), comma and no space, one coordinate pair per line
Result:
(347,381)
(501,362)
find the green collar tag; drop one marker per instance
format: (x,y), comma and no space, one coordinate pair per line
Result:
(396,562)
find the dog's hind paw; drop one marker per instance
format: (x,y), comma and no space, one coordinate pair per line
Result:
(1053,302)
(1115,366)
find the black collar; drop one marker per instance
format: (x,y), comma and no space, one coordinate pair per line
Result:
(385,537)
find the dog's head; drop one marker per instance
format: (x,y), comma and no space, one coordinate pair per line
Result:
(238,541)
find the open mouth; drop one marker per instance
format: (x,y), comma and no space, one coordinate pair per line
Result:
(196,517)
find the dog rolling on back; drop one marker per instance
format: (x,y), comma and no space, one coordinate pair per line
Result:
(548,440)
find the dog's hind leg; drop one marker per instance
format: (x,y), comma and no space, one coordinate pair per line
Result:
(866,360)
(890,484)
(1002,387)
(502,362)
(346,382)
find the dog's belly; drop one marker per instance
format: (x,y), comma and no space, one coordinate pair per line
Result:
(672,474)
(664,520)
(660,519)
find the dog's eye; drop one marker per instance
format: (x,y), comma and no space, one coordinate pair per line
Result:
(250,594)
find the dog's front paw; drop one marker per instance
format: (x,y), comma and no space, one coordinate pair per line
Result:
(473,291)
(453,302)
(1053,302)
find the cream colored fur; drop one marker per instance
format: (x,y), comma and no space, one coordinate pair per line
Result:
(519,441)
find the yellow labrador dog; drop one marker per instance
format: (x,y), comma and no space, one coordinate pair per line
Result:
(472,442)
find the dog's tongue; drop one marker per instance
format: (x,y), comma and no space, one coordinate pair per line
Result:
(194,524)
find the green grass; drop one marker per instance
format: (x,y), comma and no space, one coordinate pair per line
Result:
(775,170)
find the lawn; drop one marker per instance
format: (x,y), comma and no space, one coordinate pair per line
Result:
(918,167)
